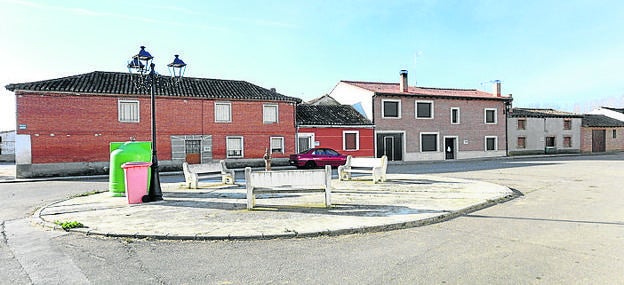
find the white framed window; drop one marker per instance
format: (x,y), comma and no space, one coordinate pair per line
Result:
(455,116)
(350,140)
(128,111)
(391,109)
(270,113)
(429,142)
(223,112)
(424,109)
(491,143)
(235,147)
(305,141)
(490,116)
(277,144)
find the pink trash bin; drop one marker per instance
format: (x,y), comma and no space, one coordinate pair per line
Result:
(136,180)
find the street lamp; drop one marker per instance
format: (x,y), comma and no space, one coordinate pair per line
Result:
(142,63)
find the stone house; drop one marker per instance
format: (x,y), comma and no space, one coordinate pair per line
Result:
(543,131)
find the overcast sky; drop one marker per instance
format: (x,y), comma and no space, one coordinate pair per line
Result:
(567,55)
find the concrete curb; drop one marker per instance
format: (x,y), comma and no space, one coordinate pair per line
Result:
(286,235)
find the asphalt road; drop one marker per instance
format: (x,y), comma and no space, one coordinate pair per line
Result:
(568,228)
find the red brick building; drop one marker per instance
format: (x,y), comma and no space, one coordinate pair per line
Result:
(422,123)
(327,123)
(600,133)
(65,125)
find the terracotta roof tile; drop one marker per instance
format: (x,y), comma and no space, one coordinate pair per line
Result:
(393,89)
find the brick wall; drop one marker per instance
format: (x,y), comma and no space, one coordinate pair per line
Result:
(611,143)
(79,128)
(333,138)
(472,128)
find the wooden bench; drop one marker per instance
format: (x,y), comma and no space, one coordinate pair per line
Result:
(194,172)
(287,181)
(374,166)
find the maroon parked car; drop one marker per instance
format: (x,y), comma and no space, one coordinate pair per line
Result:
(317,157)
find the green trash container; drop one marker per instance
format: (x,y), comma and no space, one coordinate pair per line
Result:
(120,153)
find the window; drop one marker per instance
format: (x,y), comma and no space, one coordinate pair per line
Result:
(234,146)
(391,109)
(270,114)
(615,134)
(490,143)
(550,141)
(490,116)
(454,115)
(567,141)
(567,124)
(521,124)
(521,142)
(350,140)
(223,112)
(128,111)
(428,142)
(305,141)
(277,144)
(424,109)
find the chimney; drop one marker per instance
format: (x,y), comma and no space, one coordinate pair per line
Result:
(403,83)
(497,88)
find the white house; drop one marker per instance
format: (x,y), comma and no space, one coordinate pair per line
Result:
(7,145)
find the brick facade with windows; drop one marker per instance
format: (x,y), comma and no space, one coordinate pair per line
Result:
(67,124)
(335,126)
(421,123)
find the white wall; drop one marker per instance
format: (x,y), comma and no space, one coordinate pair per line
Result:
(348,94)
(608,113)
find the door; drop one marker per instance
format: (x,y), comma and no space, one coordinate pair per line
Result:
(192,149)
(390,145)
(449,148)
(598,141)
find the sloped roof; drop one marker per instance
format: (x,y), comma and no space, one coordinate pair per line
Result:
(619,110)
(601,121)
(541,113)
(323,100)
(330,115)
(394,89)
(101,82)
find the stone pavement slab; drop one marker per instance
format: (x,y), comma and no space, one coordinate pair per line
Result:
(219,211)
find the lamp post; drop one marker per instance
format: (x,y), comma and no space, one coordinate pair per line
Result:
(142,63)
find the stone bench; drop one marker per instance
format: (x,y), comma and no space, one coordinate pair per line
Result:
(369,165)
(287,181)
(194,172)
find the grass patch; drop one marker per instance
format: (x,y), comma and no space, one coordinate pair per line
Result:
(93,192)
(66,225)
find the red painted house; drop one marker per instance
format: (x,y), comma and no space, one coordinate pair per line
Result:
(65,125)
(324,122)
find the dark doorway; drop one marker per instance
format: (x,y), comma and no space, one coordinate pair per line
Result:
(449,148)
(390,145)
(192,148)
(598,141)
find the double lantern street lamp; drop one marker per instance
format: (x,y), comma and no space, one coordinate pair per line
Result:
(141,67)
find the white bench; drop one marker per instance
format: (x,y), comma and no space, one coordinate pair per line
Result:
(194,172)
(374,166)
(287,181)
